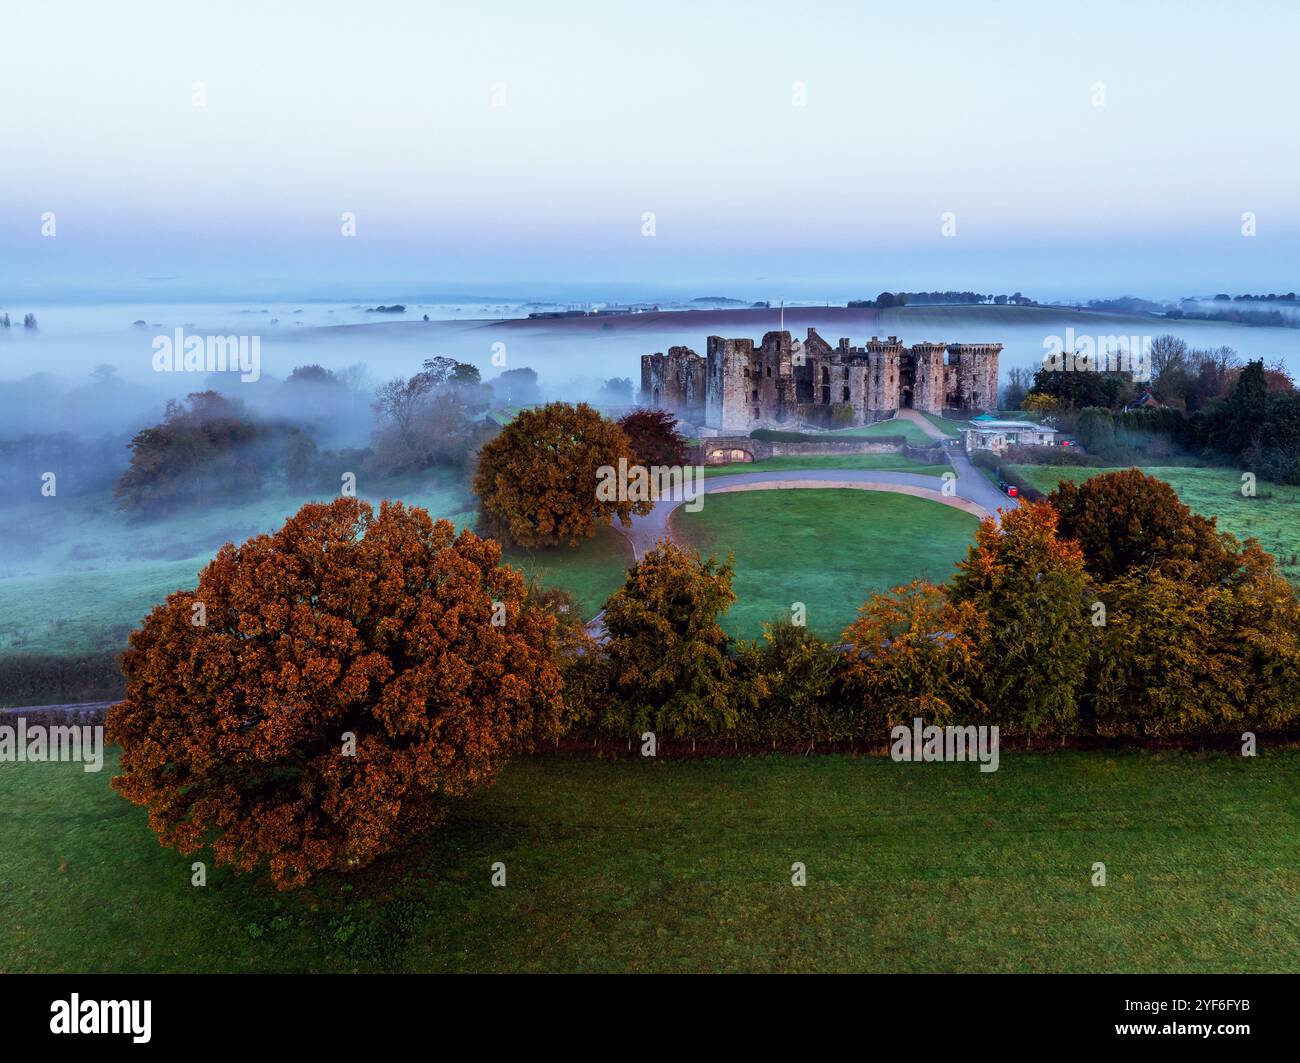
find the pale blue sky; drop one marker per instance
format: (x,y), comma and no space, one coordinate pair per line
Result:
(683,109)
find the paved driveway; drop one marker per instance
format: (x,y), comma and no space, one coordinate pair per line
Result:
(974,493)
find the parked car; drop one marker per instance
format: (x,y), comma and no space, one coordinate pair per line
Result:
(1012,490)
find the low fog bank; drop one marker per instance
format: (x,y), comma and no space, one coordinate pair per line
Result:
(74,401)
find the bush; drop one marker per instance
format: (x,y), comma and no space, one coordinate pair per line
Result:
(788,683)
(1027,582)
(1059,457)
(654,437)
(1095,430)
(1176,659)
(911,652)
(47,679)
(667,657)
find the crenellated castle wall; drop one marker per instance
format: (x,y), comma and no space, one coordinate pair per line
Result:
(739,385)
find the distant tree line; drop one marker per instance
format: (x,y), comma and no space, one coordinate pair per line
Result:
(1209,405)
(885,300)
(1270,318)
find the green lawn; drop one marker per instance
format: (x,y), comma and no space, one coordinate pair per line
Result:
(76,575)
(1274,521)
(670,865)
(889,462)
(829,549)
(946,425)
(909,430)
(590,572)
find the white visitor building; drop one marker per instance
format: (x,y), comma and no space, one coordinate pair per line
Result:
(989,433)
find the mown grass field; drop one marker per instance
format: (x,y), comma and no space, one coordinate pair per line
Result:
(946,425)
(909,430)
(76,575)
(830,549)
(888,462)
(666,865)
(1272,516)
(590,572)
(90,575)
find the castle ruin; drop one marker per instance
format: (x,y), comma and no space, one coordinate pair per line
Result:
(738,386)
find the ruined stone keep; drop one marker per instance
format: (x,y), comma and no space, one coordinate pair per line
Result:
(739,386)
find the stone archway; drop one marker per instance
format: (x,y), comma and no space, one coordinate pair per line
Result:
(728,456)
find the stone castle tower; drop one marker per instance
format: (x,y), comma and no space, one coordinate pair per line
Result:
(738,386)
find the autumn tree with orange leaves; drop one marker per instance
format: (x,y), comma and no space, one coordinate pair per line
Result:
(1201,635)
(326,690)
(910,653)
(1029,585)
(1129,523)
(537,481)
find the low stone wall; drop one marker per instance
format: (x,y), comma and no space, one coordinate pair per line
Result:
(89,713)
(726,450)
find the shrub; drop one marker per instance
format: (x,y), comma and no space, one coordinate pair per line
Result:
(667,657)
(1127,520)
(654,437)
(46,679)
(788,688)
(1028,583)
(843,414)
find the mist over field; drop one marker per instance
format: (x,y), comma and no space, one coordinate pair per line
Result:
(48,375)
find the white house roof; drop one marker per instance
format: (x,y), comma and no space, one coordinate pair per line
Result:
(1010,426)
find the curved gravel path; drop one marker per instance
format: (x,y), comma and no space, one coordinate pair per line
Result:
(975,494)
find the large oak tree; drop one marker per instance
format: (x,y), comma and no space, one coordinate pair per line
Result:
(537,480)
(325,690)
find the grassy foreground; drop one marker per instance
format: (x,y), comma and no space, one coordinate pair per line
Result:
(636,865)
(830,549)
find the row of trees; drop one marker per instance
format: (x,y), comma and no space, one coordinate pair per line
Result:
(325,691)
(1110,609)
(1210,405)
(214,444)
(885,300)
